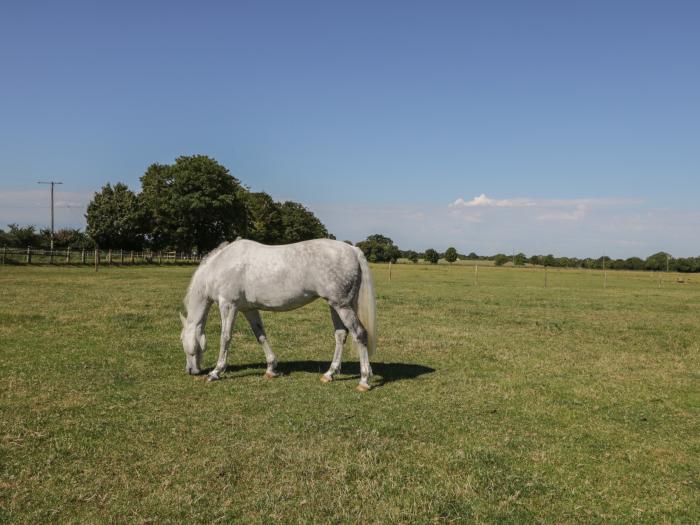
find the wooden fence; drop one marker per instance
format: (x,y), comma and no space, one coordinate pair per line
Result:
(94,256)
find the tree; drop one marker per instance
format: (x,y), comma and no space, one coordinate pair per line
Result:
(115,219)
(300,224)
(451,254)
(500,259)
(520,259)
(22,236)
(657,262)
(195,202)
(378,248)
(264,219)
(410,255)
(432,256)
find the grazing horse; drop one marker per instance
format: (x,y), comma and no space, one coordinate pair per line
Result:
(246,276)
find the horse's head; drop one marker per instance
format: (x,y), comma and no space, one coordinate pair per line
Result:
(194,342)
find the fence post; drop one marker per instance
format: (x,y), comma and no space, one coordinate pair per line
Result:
(121,256)
(160,257)
(29,255)
(4,254)
(545,276)
(132,256)
(82,256)
(68,255)
(51,255)
(109,256)
(476,275)
(97,258)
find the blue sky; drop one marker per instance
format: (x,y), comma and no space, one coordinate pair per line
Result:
(544,127)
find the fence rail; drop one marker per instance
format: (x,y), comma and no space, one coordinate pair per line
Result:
(94,257)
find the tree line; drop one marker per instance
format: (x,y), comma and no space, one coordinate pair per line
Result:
(191,205)
(379,248)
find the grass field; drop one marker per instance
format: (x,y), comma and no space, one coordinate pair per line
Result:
(505,402)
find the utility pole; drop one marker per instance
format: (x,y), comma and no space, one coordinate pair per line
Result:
(53,183)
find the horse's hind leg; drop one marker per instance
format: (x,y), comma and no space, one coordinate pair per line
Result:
(228,316)
(359,335)
(341,334)
(253,317)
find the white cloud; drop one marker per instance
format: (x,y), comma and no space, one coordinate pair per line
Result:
(484,201)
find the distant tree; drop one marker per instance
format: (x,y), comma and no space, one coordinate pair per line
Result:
(378,248)
(73,238)
(115,218)
(657,261)
(4,238)
(451,254)
(472,256)
(410,255)
(500,259)
(22,236)
(549,260)
(264,219)
(634,263)
(520,259)
(432,256)
(300,224)
(195,202)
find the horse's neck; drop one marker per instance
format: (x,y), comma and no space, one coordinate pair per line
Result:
(197,308)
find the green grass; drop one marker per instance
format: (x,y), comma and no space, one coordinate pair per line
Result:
(499,403)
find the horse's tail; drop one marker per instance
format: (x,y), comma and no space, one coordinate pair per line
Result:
(366,307)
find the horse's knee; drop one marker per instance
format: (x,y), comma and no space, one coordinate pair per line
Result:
(341,336)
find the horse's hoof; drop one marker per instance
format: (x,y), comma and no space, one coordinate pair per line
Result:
(271,375)
(326,379)
(212,377)
(362,388)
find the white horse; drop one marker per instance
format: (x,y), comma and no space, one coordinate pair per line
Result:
(247,276)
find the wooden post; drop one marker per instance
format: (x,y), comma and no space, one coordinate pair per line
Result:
(4,254)
(545,276)
(390,270)
(97,258)
(132,256)
(160,257)
(121,257)
(68,255)
(109,256)
(82,256)
(605,275)
(29,255)
(476,275)
(51,255)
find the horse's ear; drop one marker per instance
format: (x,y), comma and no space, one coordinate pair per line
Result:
(183,319)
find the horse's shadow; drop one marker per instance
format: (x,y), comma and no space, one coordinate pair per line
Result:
(385,372)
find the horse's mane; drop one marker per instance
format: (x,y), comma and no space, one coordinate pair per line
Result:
(208,257)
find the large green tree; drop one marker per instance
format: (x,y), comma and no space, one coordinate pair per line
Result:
(115,218)
(300,224)
(378,248)
(264,219)
(194,203)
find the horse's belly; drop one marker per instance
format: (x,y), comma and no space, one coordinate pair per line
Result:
(281,304)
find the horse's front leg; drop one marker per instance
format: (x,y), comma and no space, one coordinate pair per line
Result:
(228,317)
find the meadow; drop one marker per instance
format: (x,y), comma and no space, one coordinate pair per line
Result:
(502,402)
